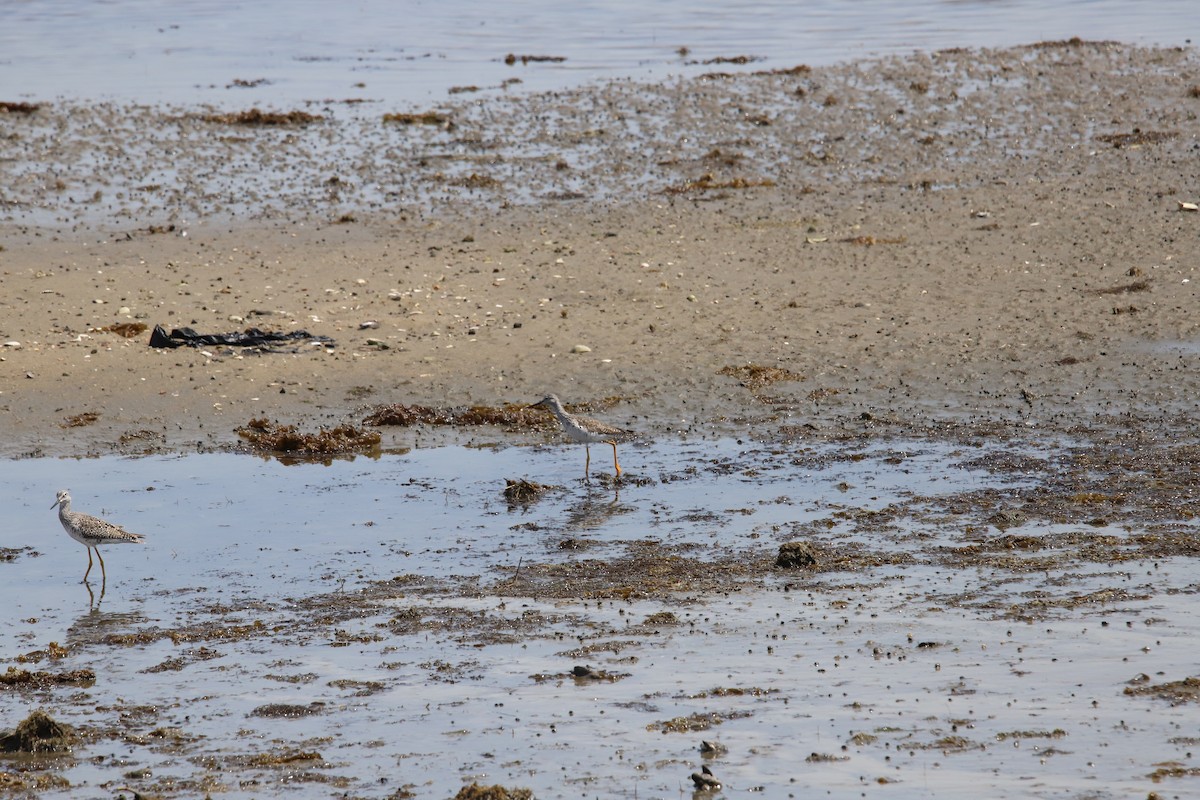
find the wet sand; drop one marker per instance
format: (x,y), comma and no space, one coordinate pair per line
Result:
(992,236)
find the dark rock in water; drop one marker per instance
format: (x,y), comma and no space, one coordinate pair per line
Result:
(796,554)
(38,733)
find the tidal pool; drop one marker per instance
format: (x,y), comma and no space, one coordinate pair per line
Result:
(393,627)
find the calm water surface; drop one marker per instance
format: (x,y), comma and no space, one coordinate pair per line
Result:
(415,52)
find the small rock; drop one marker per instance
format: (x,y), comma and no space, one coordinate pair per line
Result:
(581,348)
(368,325)
(15,345)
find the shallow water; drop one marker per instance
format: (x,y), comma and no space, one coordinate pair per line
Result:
(218,518)
(908,680)
(133,50)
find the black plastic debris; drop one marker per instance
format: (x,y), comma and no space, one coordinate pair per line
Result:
(251,337)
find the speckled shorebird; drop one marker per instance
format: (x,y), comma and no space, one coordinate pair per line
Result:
(91,531)
(584,430)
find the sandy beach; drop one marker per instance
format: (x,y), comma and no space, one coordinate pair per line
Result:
(996,236)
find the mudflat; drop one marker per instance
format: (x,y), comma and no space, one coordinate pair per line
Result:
(986,237)
(913,341)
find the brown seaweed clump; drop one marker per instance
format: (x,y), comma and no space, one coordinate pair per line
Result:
(1176,692)
(709,183)
(756,376)
(16,107)
(38,733)
(496,792)
(1136,138)
(513,58)
(79,420)
(406,416)
(508,414)
(288,710)
(255,117)
(1142,285)
(126,330)
(523,492)
(271,436)
(423,118)
(41,679)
